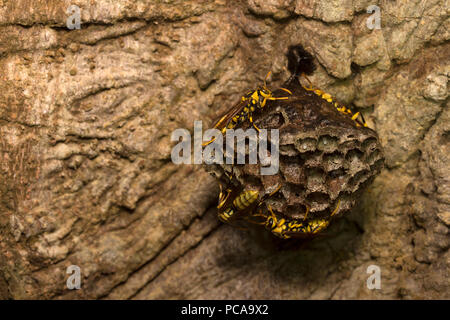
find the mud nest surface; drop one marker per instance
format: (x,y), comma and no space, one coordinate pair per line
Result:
(325,158)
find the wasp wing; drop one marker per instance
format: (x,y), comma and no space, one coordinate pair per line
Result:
(225,119)
(227,116)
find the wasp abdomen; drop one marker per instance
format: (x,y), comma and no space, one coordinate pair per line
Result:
(245,199)
(224,216)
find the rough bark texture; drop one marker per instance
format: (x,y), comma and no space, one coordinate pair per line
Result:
(86,176)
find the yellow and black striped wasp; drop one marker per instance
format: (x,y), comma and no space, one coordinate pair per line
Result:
(300,64)
(249,103)
(293,228)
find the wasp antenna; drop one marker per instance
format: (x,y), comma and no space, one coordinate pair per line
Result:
(306,214)
(265,79)
(276,189)
(337,208)
(204,144)
(309,81)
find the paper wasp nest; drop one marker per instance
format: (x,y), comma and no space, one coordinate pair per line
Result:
(325,158)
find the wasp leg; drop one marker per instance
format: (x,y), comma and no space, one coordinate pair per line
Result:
(204,144)
(222,202)
(265,197)
(306,214)
(310,83)
(251,121)
(229,175)
(336,210)
(265,79)
(263,103)
(239,227)
(276,190)
(288,91)
(259,214)
(220,121)
(361,122)
(355,116)
(269,207)
(221,193)
(215,127)
(277,227)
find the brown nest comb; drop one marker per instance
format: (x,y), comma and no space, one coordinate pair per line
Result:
(327,157)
